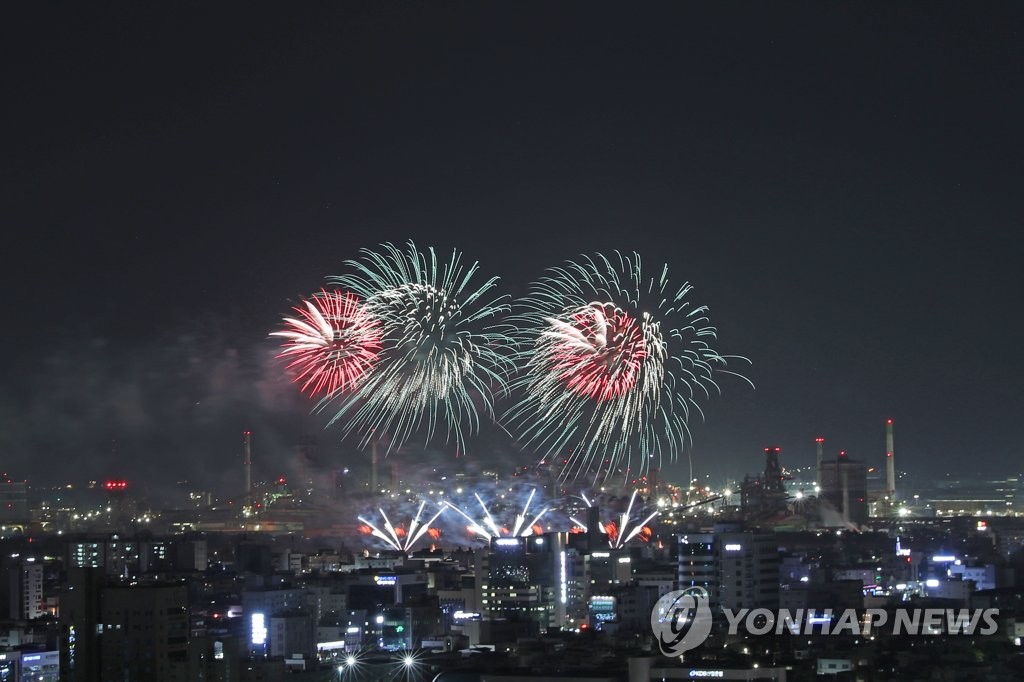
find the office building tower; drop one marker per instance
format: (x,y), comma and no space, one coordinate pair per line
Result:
(738,569)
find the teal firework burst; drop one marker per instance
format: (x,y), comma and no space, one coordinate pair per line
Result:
(440,365)
(614,365)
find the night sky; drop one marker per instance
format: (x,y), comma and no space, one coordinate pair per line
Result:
(841,182)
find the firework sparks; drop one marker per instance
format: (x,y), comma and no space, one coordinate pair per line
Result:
(615,362)
(436,370)
(620,533)
(400,539)
(486,527)
(332,343)
(598,353)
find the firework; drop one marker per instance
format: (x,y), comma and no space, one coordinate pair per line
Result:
(399,538)
(437,370)
(621,532)
(486,527)
(332,343)
(615,362)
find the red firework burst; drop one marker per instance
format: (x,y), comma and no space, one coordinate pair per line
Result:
(597,353)
(333,342)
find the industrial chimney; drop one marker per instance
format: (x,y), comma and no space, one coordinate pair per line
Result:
(247,460)
(844,477)
(820,442)
(890,463)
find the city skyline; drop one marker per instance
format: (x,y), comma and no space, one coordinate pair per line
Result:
(836,183)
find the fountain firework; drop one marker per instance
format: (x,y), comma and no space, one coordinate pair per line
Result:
(487,527)
(619,533)
(398,538)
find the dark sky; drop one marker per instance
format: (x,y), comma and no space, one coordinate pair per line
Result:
(841,182)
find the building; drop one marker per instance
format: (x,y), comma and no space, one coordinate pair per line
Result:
(119,558)
(87,554)
(144,631)
(13,502)
(119,630)
(34,666)
(292,633)
(25,590)
(175,555)
(260,606)
(844,492)
(992,497)
(523,578)
(738,569)
(79,620)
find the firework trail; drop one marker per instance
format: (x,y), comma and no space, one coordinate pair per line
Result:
(486,527)
(614,362)
(399,538)
(436,371)
(622,532)
(332,343)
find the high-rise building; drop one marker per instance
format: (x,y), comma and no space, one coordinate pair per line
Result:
(79,620)
(697,562)
(118,558)
(738,569)
(521,577)
(144,631)
(25,590)
(13,502)
(87,554)
(119,630)
(173,555)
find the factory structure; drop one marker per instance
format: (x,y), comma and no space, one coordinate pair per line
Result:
(843,497)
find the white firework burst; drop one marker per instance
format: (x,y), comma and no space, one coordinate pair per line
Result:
(400,539)
(486,527)
(437,370)
(619,534)
(615,362)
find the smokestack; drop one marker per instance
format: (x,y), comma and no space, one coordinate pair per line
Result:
(821,446)
(890,463)
(845,474)
(247,460)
